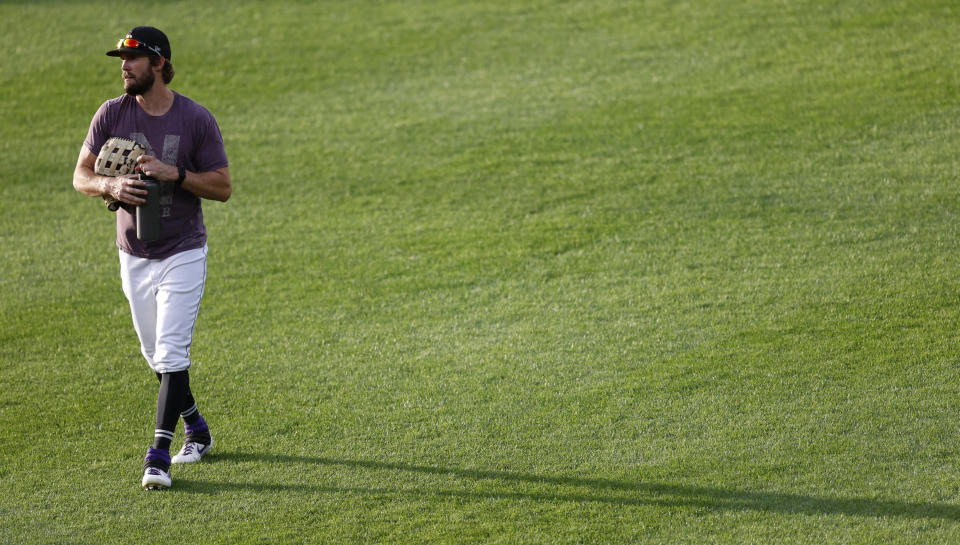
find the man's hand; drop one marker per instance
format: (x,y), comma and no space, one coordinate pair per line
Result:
(157,169)
(127,189)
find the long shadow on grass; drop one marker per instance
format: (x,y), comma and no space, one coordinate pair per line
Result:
(610,491)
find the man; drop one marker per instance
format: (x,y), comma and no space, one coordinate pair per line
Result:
(162,279)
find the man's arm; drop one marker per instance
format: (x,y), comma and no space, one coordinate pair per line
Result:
(126,188)
(214,184)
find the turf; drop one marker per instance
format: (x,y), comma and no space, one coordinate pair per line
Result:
(505,272)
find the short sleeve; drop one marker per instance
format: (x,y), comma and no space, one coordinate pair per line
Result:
(209,152)
(98,133)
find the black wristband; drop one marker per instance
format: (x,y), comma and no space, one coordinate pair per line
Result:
(182,176)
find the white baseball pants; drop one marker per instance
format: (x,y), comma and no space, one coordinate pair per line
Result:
(164,296)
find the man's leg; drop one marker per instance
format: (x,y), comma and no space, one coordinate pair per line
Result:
(170,401)
(178,304)
(138,278)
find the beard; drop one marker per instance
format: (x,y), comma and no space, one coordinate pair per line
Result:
(140,84)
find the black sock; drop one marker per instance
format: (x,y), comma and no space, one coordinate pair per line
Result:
(174,388)
(190,413)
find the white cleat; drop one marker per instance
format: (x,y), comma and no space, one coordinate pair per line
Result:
(191,452)
(155,478)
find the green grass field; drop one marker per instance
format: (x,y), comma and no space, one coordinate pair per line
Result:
(505,272)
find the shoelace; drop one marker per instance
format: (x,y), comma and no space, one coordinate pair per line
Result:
(188,448)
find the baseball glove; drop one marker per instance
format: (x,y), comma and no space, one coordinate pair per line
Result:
(117,157)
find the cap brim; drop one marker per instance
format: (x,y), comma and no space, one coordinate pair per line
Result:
(129,50)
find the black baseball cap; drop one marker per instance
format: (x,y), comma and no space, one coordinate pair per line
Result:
(143,40)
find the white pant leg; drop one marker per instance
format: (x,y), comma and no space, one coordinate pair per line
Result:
(178,305)
(136,277)
(165,299)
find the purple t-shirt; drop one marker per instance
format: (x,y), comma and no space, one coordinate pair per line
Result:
(188,136)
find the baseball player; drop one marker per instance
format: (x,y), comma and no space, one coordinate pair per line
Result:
(163,279)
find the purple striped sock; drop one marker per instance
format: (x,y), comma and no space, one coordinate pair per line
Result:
(199,426)
(157,458)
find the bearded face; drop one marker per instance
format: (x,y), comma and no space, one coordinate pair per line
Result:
(138,76)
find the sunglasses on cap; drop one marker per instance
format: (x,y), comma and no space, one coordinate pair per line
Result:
(133,43)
